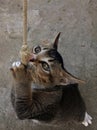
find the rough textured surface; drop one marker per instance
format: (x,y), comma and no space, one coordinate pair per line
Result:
(77,20)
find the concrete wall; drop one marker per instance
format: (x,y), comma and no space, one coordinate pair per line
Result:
(77,20)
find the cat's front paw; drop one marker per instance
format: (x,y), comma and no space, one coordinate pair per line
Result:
(87,120)
(18,70)
(16,64)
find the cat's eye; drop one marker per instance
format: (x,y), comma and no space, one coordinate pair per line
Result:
(37,49)
(45,66)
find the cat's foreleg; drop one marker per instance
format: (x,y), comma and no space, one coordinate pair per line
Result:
(21,91)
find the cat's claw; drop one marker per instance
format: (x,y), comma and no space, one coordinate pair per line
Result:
(87,120)
(16,64)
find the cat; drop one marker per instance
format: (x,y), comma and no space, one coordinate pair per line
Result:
(43,90)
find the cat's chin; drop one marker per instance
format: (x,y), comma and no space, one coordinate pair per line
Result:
(41,87)
(31,66)
(36,86)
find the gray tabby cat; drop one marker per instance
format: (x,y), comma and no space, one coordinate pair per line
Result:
(43,90)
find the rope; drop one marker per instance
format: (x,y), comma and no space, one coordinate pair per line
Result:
(25,52)
(24,22)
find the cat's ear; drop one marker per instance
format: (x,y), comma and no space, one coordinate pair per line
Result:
(67,78)
(55,44)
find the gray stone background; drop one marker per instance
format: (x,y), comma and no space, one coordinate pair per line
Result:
(77,20)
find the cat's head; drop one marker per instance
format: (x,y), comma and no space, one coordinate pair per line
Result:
(48,67)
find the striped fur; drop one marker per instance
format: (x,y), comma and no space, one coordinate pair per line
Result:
(45,71)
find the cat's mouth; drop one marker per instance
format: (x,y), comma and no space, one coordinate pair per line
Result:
(32,60)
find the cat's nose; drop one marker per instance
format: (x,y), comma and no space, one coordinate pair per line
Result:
(32,58)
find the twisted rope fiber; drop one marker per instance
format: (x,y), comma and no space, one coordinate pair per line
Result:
(25,22)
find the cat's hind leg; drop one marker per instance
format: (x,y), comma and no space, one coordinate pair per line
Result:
(87,120)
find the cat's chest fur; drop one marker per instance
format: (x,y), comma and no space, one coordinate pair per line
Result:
(47,97)
(48,101)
